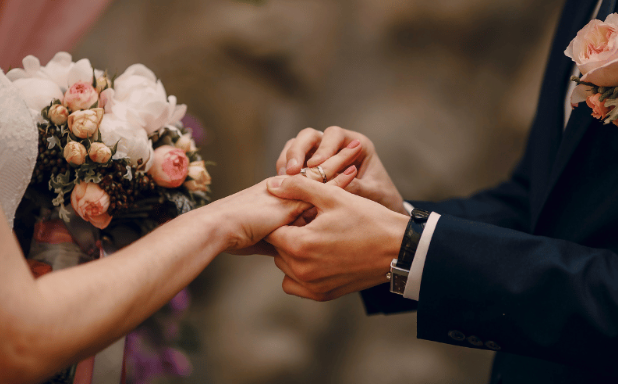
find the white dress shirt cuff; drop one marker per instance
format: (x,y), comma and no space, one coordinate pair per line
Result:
(413,286)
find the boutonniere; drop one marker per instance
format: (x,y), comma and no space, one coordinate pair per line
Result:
(595,52)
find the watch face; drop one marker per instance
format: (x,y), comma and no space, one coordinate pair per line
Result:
(419,214)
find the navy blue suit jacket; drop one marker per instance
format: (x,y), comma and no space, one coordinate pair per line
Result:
(530,268)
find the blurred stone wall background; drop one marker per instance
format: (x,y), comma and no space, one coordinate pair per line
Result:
(446,90)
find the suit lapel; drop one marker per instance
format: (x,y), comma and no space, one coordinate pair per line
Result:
(560,146)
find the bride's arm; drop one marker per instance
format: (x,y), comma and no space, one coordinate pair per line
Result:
(62,317)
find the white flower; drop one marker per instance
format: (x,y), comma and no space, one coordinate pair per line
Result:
(131,138)
(40,85)
(38,93)
(139,96)
(61,70)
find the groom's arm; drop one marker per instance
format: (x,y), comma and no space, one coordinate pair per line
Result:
(506,205)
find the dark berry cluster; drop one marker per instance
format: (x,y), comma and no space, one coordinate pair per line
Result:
(50,162)
(124,192)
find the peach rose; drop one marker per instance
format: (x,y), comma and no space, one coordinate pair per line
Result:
(595,51)
(599,110)
(81,95)
(91,202)
(170,166)
(58,114)
(186,143)
(199,175)
(100,153)
(84,124)
(102,84)
(75,153)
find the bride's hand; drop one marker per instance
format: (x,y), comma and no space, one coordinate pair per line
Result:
(253,213)
(313,147)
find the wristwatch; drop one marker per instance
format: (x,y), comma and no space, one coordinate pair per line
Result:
(400,267)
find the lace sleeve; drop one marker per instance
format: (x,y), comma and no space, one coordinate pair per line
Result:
(18,147)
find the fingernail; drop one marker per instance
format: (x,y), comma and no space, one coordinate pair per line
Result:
(291,163)
(281,171)
(350,170)
(275,182)
(353,144)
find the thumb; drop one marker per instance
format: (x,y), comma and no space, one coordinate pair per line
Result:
(298,188)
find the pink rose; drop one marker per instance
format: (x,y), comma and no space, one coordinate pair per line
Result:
(75,153)
(595,51)
(91,204)
(100,153)
(81,95)
(170,166)
(599,110)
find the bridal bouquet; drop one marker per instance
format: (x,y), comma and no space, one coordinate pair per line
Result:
(108,144)
(595,52)
(114,152)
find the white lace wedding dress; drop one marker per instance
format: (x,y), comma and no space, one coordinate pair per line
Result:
(18,147)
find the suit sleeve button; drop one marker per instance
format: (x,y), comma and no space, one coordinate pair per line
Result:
(475,341)
(492,345)
(457,335)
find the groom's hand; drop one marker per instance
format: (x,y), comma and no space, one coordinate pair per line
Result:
(258,213)
(313,148)
(346,248)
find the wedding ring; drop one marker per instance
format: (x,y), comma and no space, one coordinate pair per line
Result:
(303,172)
(324,178)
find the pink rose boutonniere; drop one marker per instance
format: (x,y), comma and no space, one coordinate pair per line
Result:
(595,52)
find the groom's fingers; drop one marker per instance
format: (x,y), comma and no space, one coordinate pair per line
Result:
(305,141)
(333,140)
(292,287)
(302,189)
(282,160)
(285,268)
(286,237)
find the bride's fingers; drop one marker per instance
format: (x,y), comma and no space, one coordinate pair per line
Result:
(333,140)
(341,160)
(342,180)
(306,218)
(305,141)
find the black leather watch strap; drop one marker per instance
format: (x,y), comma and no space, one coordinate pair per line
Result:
(411,238)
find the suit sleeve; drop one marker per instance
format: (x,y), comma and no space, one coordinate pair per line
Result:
(486,286)
(506,205)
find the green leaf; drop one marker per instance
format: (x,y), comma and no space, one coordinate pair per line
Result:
(92,177)
(64,213)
